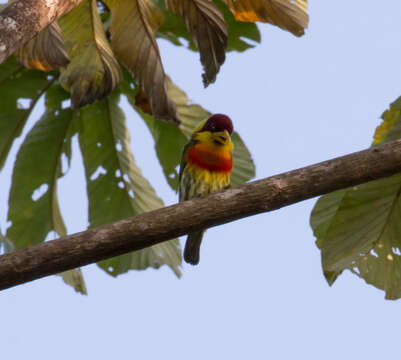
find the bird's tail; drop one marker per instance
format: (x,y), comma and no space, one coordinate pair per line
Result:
(192,247)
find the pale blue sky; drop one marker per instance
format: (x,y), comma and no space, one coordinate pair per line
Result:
(259,291)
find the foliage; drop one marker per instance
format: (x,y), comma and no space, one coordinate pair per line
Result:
(82,64)
(359,228)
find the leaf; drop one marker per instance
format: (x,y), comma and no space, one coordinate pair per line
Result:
(5,244)
(93,71)
(133,24)
(359,228)
(239,33)
(116,186)
(46,51)
(20,89)
(362,235)
(170,140)
(75,279)
(173,28)
(33,205)
(291,15)
(208,29)
(390,128)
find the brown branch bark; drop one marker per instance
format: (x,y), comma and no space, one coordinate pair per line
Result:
(160,225)
(23,19)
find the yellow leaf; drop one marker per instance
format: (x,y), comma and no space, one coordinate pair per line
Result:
(390,128)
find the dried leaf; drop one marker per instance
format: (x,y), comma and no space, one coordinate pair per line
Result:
(208,29)
(291,15)
(133,25)
(93,71)
(241,35)
(142,102)
(46,51)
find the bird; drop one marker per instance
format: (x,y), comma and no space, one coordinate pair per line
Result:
(205,168)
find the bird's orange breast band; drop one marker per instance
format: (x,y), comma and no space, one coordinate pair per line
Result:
(208,158)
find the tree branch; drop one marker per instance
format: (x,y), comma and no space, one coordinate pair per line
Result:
(23,19)
(163,224)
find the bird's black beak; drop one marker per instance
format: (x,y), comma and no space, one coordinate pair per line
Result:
(221,137)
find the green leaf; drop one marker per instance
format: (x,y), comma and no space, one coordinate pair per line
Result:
(133,25)
(5,244)
(243,165)
(170,140)
(359,228)
(116,187)
(75,279)
(8,69)
(324,211)
(33,205)
(93,71)
(362,235)
(20,89)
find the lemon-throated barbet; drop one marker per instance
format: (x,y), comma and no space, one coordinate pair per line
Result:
(205,168)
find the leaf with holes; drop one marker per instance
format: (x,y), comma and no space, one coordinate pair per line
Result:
(290,15)
(46,51)
(116,186)
(208,29)
(20,89)
(133,24)
(33,205)
(170,140)
(93,71)
(359,228)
